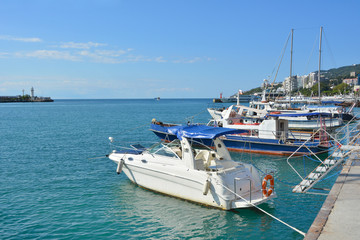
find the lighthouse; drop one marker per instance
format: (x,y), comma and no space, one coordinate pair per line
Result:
(32,93)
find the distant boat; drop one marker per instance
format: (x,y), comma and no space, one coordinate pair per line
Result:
(157,98)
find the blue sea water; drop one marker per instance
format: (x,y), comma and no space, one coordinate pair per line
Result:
(56,184)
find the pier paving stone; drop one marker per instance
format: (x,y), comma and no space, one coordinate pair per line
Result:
(344,219)
(339,217)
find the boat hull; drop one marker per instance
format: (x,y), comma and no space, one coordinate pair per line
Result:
(238,143)
(189,184)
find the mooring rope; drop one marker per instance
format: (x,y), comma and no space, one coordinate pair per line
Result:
(96,158)
(193,116)
(132,129)
(293,228)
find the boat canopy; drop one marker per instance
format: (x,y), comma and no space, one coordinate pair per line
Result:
(331,102)
(201,131)
(323,114)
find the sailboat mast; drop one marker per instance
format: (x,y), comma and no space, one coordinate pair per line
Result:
(319,64)
(291,55)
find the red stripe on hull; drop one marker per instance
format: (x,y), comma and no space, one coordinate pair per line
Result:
(267,152)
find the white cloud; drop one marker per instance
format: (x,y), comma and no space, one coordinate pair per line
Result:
(87,45)
(160,60)
(98,57)
(19,39)
(118,56)
(84,51)
(111,53)
(4,55)
(48,54)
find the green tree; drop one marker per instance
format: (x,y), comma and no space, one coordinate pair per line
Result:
(341,88)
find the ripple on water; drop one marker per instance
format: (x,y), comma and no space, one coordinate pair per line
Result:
(51,190)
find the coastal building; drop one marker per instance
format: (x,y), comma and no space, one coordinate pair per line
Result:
(351,81)
(290,84)
(301,81)
(312,80)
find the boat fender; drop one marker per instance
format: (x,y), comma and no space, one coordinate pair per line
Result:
(206,187)
(267,192)
(120,166)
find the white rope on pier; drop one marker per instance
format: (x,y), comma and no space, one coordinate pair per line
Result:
(293,228)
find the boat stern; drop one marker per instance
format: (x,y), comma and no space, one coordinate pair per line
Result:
(252,200)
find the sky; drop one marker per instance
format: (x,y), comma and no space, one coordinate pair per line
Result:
(110,49)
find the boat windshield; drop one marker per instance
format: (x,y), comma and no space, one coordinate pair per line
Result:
(172,149)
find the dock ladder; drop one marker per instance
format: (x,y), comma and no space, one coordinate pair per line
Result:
(338,156)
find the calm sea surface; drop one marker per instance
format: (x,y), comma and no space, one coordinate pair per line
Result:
(52,186)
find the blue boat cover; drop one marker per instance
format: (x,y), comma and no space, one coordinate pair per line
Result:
(200,131)
(300,114)
(332,102)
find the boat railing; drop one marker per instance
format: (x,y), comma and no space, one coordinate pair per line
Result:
(338,156)
(301,146)
(285,136)
(349,129)
(300,136)
(293,135)
(114,145)
(330,137)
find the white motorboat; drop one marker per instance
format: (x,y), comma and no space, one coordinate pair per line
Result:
(298,119)
(187,169)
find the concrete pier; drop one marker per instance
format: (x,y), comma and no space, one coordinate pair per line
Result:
(339,217)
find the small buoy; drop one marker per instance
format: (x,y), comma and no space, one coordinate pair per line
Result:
(119,167)
(111,139)
(206,187)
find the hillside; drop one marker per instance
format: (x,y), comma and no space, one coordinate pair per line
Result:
(341,72)
(334,73)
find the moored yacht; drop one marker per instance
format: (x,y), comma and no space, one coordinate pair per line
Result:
(298,119)
(187,169)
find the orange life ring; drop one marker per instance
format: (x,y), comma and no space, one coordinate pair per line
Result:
(267,192)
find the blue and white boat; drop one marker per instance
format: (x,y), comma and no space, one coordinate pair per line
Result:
(266,138)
